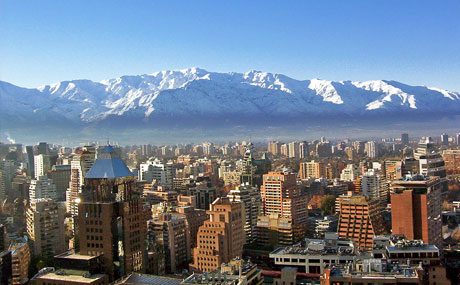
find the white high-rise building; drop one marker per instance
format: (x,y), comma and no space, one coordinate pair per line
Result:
(349,173)
(293,149)
(154,169)
(373,185)
(371,149)
(42,188)
(250,197)
(42,164)
(81,163)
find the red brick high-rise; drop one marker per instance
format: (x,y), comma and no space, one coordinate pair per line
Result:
(416,208)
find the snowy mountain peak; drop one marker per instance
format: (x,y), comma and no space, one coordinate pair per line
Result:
(195,92)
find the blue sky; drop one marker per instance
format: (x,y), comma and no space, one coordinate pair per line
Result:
(415,42)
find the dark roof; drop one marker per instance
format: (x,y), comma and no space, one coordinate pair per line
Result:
(108,165)
(137,278)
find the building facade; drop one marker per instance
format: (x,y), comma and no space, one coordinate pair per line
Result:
(221,238)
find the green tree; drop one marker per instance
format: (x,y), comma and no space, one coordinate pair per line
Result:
(328,204)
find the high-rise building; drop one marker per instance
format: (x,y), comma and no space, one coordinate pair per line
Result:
(294,150)
(30,160)
(451,159)
(282,199)
(20,259)
(42,188)
(349,173)
(405,139)
(253,169)
(208,148)
(45,227)
(360,220)
(445,139)
(284,150)
(81,163)
(111,219)
(3,182)
(221,238)
(324,149)
(249,196)
(416,208)
(170,233)
(194,219)
(274,148)
(374,186)
(42,148)
(303,149)
(42,163)
(431,162)
(371,149)
(60,175)
(393,169)
(458,139)
(205,194)
(155,170)
(312,169)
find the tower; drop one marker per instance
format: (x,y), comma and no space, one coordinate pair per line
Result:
(221,238)
(111,220)
(416,208)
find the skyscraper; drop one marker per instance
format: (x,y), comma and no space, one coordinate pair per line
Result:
(221,238)
(430,161)
(374,186)
(404,139)
(249,196)
(416,208)
(42,163)
(283,200)
(303,149)
(170,233)
(445,139)
(42,188)
(371,149)
(111,219)
(294,150)
(45,227)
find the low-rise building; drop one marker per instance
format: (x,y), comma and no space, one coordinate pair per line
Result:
(374,271)
(235,272)
(316,254)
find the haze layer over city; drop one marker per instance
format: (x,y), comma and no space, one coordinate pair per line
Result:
(229,142)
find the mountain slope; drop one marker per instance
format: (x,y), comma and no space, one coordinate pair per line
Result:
(196,96)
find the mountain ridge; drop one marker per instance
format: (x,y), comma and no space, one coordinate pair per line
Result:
(194,96)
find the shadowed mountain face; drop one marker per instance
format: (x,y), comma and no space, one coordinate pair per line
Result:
(177,103)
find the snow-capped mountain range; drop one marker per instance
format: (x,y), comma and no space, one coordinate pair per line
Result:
(197,93)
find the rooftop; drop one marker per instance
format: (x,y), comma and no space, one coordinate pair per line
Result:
(82,277)
(394,271)
(138,278)
(319,247)
(108,165)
